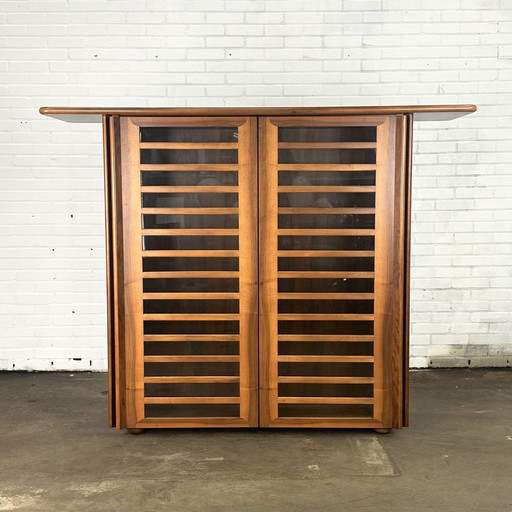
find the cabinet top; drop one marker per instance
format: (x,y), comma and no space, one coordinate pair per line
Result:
(421,112)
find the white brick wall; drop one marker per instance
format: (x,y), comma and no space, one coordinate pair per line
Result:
(253,53)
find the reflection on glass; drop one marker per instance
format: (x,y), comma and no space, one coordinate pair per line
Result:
(176,348)
(176,369)
(190,285)
(336,221)
(189,243)
(150,264)
(185,306)
(150,221)
(327,134)
(188,156)
(325,156)
(326,369)
(325,243)
(325,411)
(333,285)
(325,327)
(192,411)
(326,264)
(363,390)
(325,306)
(190,200)
(329,348)
(326,199)
(188,134)
(188,178)
(192,327)
(195,389)
(331,178)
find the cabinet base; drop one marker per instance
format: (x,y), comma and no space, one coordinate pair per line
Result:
(382,430)
(135,431)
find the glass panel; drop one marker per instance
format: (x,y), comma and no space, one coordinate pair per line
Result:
(325,411)
(317,178)
(337,221)
(326,264)
(188,178)
(198,285)
(177,369)
(325,306)
(190,306)
(183,264)
(189,156)
(326,199)
(322,156)
(190,200)
(325,243)
(192,327)
(207,389)
(331,285)
(364,390)
(192,411)
(189,243)
(188,134)
(160,348)
(189,221)
(326,369)
(327,134)
(327,348)
(324,327)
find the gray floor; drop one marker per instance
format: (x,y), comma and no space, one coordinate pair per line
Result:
(58,454)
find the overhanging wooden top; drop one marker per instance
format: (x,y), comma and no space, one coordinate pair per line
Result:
(421,112)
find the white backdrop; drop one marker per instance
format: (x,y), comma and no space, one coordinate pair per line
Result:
(253,53)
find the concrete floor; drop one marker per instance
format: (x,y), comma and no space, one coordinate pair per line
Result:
(58,454)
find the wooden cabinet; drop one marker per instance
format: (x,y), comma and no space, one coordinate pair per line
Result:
(258,265)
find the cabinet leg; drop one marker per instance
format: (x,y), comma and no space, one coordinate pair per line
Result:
(135,431)
(382,430)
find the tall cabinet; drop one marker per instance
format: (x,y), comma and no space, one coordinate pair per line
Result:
(258,264)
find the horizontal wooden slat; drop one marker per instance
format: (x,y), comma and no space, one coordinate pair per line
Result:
(323,274)
(189,211)
(188,274)
(192,400)
(324,380)
(326,254)
(326,232)
(189,167)
(191,295)
(325,316)
(188,145)
(327,145)
(333,188)
(191,422)
(191,359)
(190,317)
(324,400)
(190,232)
(190,254)
(164,189)
(326,167)
(324,359)
(324,211)
(327,337)
(193,379)
(191,337)
(325,296)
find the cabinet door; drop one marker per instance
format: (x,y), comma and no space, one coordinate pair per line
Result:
(190,271)
(331,271)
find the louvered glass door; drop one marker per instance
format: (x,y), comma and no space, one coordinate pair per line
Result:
(330,312)
(190,271)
